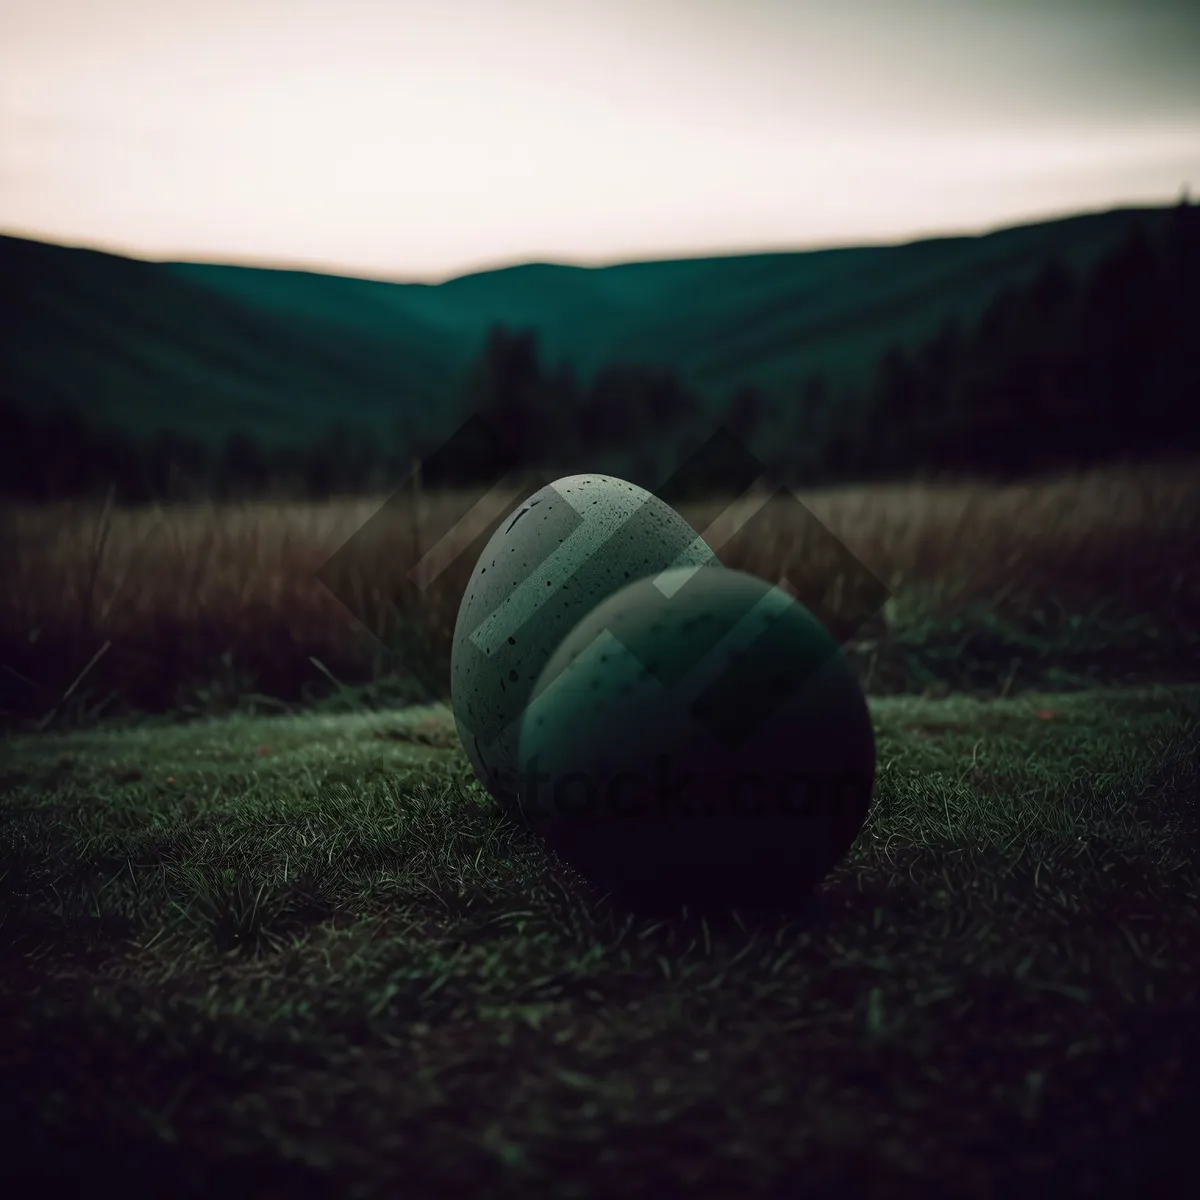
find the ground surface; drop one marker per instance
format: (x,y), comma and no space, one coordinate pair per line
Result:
(304,955)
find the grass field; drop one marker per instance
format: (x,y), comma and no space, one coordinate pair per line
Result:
(202,608)
(302,953)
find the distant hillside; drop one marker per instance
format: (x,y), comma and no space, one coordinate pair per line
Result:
(206,350)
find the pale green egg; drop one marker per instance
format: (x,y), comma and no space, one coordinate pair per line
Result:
(565,549)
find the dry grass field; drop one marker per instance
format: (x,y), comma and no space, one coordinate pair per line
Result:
(202,607)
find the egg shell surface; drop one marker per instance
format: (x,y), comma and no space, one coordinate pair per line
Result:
(712,745)
(567,548)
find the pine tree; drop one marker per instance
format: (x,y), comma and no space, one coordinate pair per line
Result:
(506,386)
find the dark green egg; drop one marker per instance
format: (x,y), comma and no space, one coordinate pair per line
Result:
(699,736)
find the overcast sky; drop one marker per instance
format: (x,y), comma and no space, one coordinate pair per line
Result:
(422,140)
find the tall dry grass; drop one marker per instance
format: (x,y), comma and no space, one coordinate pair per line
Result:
(150,604)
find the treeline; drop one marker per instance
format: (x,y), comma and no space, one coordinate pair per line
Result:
(1068,369)
(60,455)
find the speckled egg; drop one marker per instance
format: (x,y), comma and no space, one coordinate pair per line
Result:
(700,738)
(567,548)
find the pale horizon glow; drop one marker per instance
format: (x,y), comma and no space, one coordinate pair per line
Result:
(420,141)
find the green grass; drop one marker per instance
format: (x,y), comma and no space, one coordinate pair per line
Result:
(304,955)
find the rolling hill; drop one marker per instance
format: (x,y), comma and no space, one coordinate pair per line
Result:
(208,349)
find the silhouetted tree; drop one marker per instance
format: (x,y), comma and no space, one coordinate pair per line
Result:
(745,412)
(17,430)
(629,402)
(244,467)
(896,410)
(1173,378)
(563,403)
(506,386)
(1064,369)
(1122,316)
